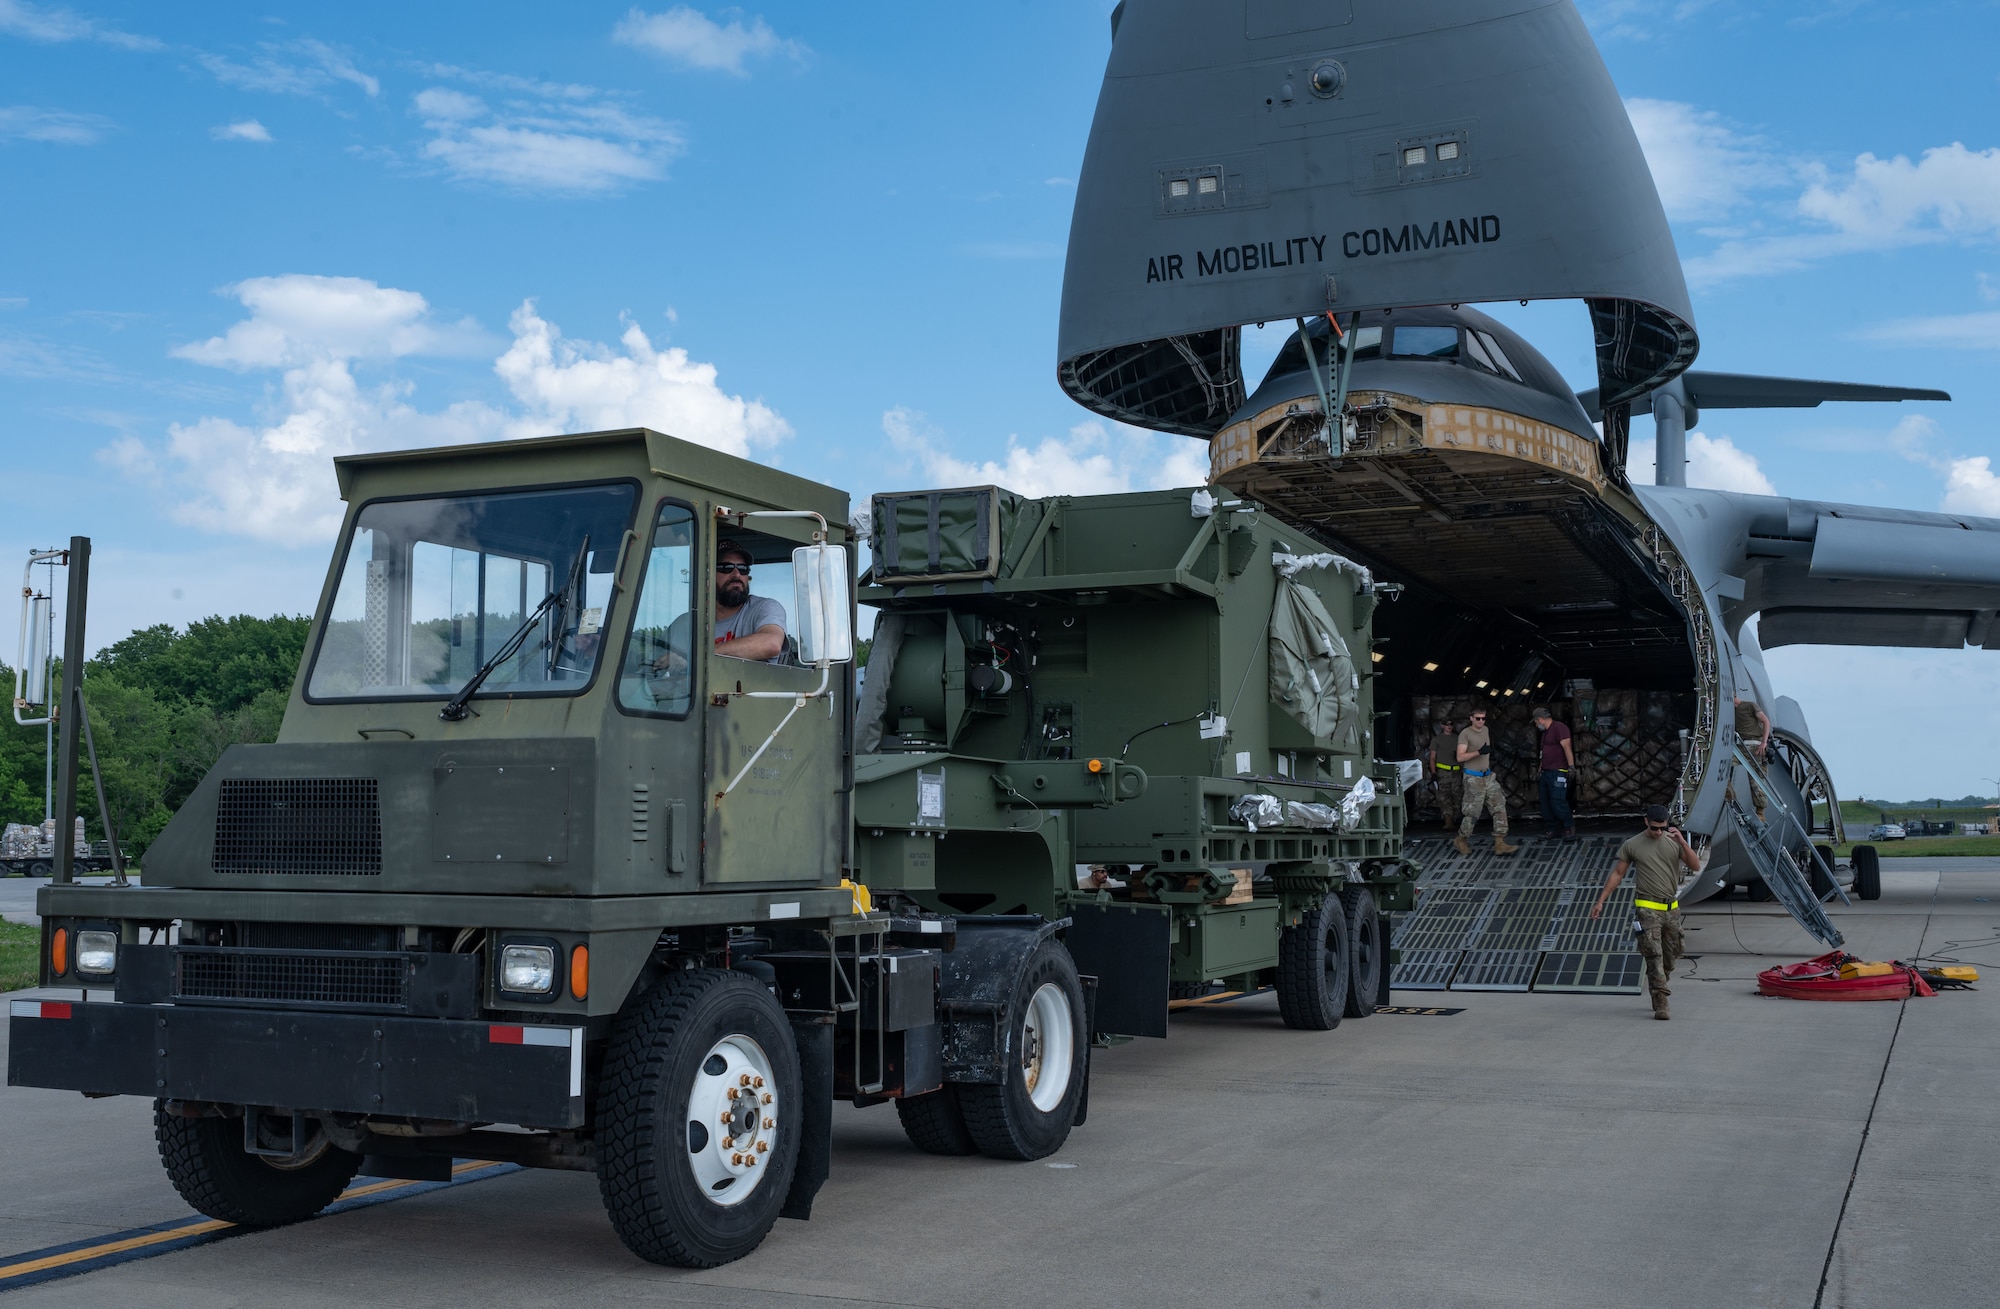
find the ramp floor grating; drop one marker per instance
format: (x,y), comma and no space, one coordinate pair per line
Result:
(1496,970)
(1611,973)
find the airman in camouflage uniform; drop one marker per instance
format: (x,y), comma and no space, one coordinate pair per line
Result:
(1658,855)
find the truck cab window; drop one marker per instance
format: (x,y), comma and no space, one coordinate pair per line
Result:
(430,589)
(655,676)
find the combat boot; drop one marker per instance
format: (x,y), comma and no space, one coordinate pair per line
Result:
(1460,844)
(1500,846)
(1660,1006)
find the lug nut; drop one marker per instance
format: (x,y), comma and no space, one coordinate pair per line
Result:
(757,1081)
(767,1097)
(728,1142)
(762,1146)
(732,1093)
(746,1079)
(769,1124)
(736,1159)
(725,1120)
(749,1161)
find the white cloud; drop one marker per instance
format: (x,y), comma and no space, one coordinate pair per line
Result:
(563,143)
(1712,462)
(53,126)
(1970,484)
(247,130)
(692,39)
(1092,460)
(1702,166)
(300,318)
(579,386)
(305,67)
(1953,331)
(54,26)
(272,479)
(1950,194)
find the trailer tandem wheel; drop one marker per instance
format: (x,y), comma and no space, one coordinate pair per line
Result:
(1314,973)
(208,1165)
(1029,1115)
(698,1119)
(1364,939)
(935,1123)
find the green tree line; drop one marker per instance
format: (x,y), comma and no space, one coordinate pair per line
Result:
(164,704)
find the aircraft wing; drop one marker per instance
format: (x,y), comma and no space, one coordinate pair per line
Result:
(1706,390)
(1831,574)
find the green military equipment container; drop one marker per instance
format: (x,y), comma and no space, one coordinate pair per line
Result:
(1149,714)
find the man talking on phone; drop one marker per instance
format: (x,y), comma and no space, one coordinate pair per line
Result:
(1658,854)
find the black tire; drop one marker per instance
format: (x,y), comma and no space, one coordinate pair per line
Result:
(1005,1121)
(41,868)
(1314,972)
(1867,872)
(1366,952)
(1188,990)
(935,1123)
(1757,890)
(208,1165)
(664,1054)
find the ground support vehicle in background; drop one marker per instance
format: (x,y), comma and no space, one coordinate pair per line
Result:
(31,851)
(530,854)
(1205,666)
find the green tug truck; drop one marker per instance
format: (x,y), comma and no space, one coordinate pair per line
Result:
(536,873)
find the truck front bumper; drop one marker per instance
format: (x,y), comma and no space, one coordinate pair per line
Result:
(525,1074)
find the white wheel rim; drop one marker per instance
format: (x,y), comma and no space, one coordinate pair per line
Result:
(1048,1046)
(732,1125)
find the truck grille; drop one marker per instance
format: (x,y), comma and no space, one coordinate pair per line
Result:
(308,826)
(296,979)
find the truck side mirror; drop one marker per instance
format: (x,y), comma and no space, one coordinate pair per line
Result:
(825,604)
(32,672)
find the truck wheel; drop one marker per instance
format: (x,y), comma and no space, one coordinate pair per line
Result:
(1364,939)
(41,868)
(697,1119)
(208,1165)
(935,1123)
(1867,872)
(1313,968)
(1029,1115)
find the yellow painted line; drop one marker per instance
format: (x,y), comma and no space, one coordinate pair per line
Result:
(1217,998)
(200,1228)
(113,1247)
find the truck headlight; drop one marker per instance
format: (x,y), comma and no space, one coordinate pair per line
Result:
(96,952)
(528,969)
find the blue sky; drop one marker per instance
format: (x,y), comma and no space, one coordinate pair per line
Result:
(238,240)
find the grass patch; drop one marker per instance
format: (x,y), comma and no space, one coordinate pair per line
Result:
(1918,846)
(20,951)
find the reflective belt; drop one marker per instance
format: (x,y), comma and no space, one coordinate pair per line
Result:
(1446,768)
(1655,904)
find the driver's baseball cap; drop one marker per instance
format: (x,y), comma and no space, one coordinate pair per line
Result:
(729,545)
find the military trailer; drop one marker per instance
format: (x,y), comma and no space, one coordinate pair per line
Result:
(538,872)
(1209,668)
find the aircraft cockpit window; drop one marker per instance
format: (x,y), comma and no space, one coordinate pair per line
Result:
(1424,343)
(1487,352)
(1367,343)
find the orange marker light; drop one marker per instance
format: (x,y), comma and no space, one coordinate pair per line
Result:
(1096,765)
(579,972)
(59,952)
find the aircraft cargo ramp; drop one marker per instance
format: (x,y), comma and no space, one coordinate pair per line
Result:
(1522,922)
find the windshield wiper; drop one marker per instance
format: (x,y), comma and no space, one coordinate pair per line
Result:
(458,707)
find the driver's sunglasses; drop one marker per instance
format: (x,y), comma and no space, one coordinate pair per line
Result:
(1479,718)
(740,569)
(1656,827)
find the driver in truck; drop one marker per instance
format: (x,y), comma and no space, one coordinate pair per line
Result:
(746,626)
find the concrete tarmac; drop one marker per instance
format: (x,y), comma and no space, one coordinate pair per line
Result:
(1533,1150)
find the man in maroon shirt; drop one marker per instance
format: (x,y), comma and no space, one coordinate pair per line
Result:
(1558,758)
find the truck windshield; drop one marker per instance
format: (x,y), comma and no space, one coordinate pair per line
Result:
(430,589)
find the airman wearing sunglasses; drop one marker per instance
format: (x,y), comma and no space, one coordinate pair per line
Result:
(1658,855)
(1482,786)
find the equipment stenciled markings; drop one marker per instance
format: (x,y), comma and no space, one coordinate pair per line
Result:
(33,1267)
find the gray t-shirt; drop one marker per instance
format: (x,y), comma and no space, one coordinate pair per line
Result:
(757,612)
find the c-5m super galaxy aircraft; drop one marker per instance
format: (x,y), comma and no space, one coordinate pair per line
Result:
(1367,168)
